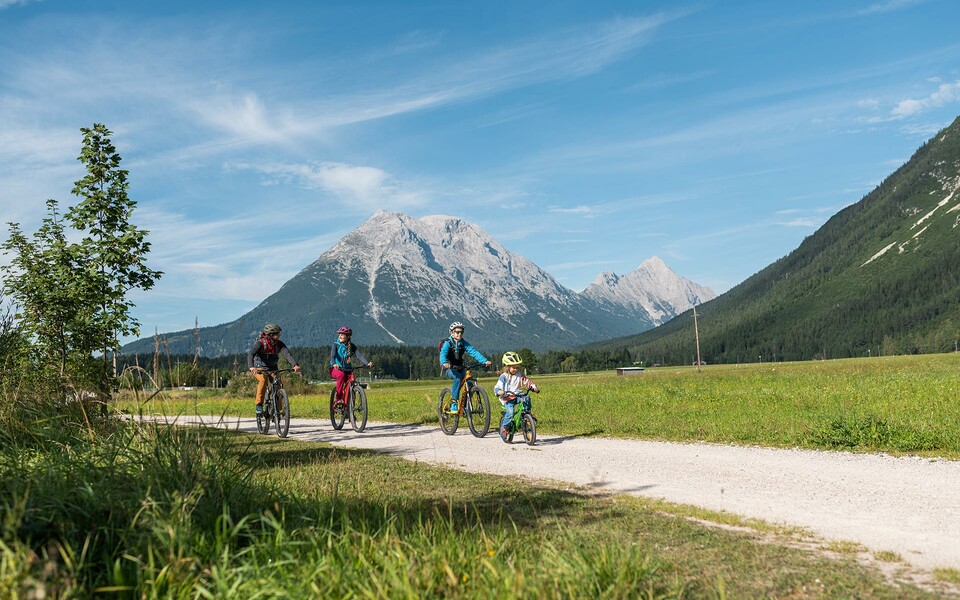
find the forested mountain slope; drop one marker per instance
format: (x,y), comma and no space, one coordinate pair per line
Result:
(881,276)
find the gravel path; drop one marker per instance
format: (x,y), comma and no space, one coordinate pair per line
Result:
(908,505)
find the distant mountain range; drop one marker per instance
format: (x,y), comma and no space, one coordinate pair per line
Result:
(880,277)
(401,280)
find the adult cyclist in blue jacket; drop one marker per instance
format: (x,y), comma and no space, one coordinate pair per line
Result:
(451,359)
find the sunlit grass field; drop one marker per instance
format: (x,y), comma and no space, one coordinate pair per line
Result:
(900,404)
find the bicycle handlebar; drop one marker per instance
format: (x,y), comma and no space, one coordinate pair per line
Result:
(275,371)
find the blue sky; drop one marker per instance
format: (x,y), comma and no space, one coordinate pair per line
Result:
(585,136)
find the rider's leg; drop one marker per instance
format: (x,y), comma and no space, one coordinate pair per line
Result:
(261,389)
(340,377)
(508,408)
(457,376)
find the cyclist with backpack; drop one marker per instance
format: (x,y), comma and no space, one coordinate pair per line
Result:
(342,354)
(452,351)
(510,384)
(264,355)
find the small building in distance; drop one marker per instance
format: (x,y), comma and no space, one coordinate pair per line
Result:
(629,371)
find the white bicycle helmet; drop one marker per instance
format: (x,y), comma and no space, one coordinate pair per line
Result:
(455,325)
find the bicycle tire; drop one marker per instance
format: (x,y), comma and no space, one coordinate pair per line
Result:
(478,408)
(263,423)
(529,425)
(337,413)
(281,411)
(358,409)
(448,421)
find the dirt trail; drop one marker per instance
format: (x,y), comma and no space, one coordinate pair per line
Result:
(907,505)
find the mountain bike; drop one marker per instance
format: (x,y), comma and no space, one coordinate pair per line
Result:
(353,403)
(276,405)
(474,403)
(523,419)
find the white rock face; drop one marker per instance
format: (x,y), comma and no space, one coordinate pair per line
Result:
(653,288)
(397,279)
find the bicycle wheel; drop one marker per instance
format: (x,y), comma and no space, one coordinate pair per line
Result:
(358,408)
(478,411)
(448,421)
(529,429)
(263,422)
(281,411)
(337,412)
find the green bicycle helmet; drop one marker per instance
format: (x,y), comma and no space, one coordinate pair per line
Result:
(271,328)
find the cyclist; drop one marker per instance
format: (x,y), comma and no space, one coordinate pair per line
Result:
(265,355)
(451,359)
(508,386)
(342,353)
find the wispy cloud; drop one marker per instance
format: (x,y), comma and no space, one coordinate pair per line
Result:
(363,187)
(945,94)
(9,3)
(889,6)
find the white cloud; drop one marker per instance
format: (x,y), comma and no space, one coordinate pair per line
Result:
(366,188)
(945,94)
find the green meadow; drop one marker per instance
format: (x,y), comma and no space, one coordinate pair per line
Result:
(129,509)
(898,404)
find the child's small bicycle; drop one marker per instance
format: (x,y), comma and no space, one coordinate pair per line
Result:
(523,419)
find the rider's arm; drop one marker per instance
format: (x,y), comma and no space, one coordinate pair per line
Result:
(333,355)
(498,388)
(290,359)
(254,349)
(363,360)
(474,353)
(444,351)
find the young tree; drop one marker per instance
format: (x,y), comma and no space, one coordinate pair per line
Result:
(45,278)
(71,298)
(113,247)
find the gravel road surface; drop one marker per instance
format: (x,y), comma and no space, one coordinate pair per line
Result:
(907,505)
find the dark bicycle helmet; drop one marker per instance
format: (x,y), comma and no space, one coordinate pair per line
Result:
(345,330)
(271,328)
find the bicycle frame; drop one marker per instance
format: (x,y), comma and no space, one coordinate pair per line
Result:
(271,403)
(520,409)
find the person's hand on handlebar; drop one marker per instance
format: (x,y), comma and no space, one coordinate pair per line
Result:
(488,363)
(296,368)
(446,365)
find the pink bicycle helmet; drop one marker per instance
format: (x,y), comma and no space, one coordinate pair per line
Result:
(345,330)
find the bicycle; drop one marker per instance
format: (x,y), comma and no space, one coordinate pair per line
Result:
(354,405)
(276,405)
(474,403)
(523,419)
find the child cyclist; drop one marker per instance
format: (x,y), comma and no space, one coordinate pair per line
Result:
(511,383)
(342,355)
(264,355)
(451,359)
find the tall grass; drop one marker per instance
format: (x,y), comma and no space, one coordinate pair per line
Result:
(156,512)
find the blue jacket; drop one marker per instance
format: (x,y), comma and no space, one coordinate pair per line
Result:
(342,355)
(452,352)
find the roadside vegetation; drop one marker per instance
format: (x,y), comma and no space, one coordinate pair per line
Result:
(148,511)
(901,404)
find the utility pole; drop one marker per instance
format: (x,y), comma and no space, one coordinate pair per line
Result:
(696,332)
